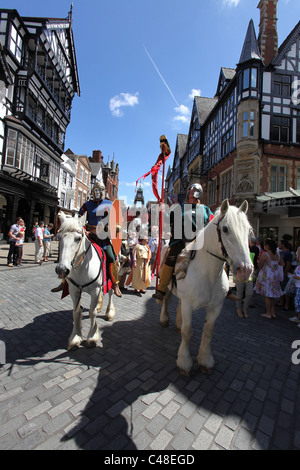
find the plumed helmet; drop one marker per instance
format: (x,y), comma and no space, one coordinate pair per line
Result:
(198,190)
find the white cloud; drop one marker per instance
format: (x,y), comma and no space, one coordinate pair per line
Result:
(133,184)
(181,118)
(194,92)
(120,101)
(182,109)
(231,3)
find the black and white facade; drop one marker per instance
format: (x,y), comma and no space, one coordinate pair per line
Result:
(38,81)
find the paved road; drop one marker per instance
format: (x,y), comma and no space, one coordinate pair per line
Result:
(127,393)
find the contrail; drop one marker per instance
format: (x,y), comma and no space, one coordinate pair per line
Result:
(160,75)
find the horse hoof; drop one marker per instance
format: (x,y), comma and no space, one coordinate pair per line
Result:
(90,344)
(164,324)
(185,373)
(206,370)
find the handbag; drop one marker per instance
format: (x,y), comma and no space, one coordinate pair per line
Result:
(290,288)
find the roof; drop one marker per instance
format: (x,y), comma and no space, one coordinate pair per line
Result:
(204,107)
(250,49)
(181,144)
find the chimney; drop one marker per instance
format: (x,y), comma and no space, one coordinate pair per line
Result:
(268,36)
(97,156)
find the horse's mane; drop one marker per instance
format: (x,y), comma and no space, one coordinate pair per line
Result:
(70,224)
(235,218)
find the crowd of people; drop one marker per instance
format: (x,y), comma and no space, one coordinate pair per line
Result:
(276,273)
(276,276)
(41,234)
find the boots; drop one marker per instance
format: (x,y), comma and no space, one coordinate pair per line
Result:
(113,272)
(58,288)
(165,277)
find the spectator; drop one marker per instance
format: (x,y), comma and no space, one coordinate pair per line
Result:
(268,279)
(255,250)
(39,251)
(13,237)
(46,243)
(52,232)
(244,290)
(124,263)
(19,248)
(286,256)
(296,277)
(141,268)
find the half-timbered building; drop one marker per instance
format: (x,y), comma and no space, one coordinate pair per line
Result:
(38,81)
(245,141)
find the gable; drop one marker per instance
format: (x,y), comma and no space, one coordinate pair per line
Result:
(288,57)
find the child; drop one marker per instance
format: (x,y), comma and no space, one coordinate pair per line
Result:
(296,277)
(19,248)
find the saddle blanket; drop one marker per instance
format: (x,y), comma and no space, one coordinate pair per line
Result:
(107,284)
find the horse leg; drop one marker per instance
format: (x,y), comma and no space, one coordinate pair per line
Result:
(178,317)
(205,358)
(93,336)
(110,311)
(100,301)
(184,359)
(164,314)
(76,337)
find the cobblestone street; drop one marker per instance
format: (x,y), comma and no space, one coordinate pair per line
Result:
(127,393)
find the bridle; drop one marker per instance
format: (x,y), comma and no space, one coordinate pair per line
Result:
(225,258)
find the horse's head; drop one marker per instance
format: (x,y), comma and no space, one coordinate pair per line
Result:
(234,230)
(70,237)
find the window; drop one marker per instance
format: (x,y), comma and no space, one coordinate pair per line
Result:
(11,145)
(15,45)
(79,198)
(282,85)
(70,181)
(81,173)
(280,129)
(248,124)
(212,192)
(249,79)
(278,178)
(62,199)
(64,177)
(298,179)
(227,142)
(226,185)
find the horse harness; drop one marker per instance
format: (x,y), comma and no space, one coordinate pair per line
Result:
(74,266)
(225,257)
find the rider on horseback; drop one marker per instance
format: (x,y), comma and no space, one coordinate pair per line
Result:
(194,195)
(97,209)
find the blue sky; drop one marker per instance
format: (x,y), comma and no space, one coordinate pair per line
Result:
(140,62)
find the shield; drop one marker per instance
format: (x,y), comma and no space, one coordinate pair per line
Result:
(115,226)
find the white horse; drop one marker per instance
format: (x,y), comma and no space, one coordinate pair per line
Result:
(224,239)
(81,266)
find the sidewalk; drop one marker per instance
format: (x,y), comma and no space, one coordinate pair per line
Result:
(28,255)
